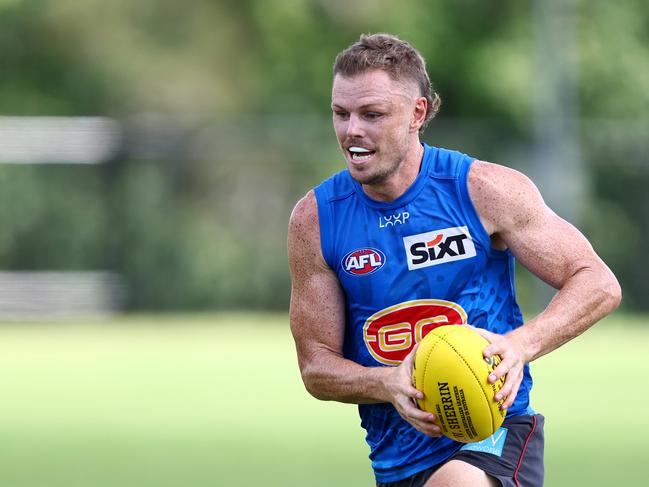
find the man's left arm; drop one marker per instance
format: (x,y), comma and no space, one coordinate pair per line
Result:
(515,215)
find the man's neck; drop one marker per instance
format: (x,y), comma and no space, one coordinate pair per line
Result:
(399,182)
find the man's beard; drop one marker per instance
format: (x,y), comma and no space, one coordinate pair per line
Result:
(383,175)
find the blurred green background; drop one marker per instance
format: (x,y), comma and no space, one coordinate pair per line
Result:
(223,123)
(161,146)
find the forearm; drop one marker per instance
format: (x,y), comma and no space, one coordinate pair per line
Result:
(584,299)
(330,377)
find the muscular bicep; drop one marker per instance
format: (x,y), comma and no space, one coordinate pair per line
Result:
(316,316)
(550,248)
(513,211)
(317,302)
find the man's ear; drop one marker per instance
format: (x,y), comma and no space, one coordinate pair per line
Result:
(419,114)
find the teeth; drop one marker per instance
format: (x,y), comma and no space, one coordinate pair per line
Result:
(360,157)
(359,149)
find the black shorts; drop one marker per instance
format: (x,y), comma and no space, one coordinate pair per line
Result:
(513,455)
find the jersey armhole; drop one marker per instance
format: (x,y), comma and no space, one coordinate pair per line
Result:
(325,224)
(469,209)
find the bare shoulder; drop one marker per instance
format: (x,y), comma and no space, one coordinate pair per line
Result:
(304,216)
(304,236)
(513,211)
(504,198)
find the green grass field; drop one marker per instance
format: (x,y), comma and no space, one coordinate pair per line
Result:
(203,400)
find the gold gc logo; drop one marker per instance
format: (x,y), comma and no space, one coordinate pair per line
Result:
(391,333)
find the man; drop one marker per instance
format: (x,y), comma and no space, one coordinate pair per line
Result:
(409,237)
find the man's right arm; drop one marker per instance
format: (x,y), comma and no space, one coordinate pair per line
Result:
(317,316)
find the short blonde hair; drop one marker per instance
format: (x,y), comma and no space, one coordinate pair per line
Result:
(394,56)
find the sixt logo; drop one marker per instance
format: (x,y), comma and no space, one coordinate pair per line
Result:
(438,247)
(361,262)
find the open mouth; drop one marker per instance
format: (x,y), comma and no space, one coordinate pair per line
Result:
(360,154)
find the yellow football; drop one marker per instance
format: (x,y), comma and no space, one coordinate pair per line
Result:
(452,372)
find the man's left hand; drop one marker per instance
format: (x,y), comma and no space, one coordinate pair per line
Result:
(511,366)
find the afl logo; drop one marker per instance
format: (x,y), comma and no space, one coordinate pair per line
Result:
(391,333)
(361,262)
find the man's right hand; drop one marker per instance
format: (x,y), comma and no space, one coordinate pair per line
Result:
(404,397)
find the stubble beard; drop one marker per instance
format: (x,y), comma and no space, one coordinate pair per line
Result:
(384,174)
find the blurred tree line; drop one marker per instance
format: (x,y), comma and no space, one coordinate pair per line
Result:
(224,109)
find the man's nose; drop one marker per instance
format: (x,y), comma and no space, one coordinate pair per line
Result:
(355,126)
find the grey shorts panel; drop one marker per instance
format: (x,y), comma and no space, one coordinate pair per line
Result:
(514,458)
(520,463)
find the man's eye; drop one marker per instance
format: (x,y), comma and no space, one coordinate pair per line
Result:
(341,114)
(372,115)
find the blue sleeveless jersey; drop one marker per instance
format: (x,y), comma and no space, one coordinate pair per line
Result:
(408,266)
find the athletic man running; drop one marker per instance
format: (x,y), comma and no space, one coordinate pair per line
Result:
(411,236)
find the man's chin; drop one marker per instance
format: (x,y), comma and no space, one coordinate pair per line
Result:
(371,176)
(369,179)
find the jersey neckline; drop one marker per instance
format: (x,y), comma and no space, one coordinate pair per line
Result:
(410,194)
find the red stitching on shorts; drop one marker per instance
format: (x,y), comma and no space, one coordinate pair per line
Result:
(520,460)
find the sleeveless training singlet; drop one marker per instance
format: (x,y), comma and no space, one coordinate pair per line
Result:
(408,266)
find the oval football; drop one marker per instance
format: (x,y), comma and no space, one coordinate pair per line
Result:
(452,372)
